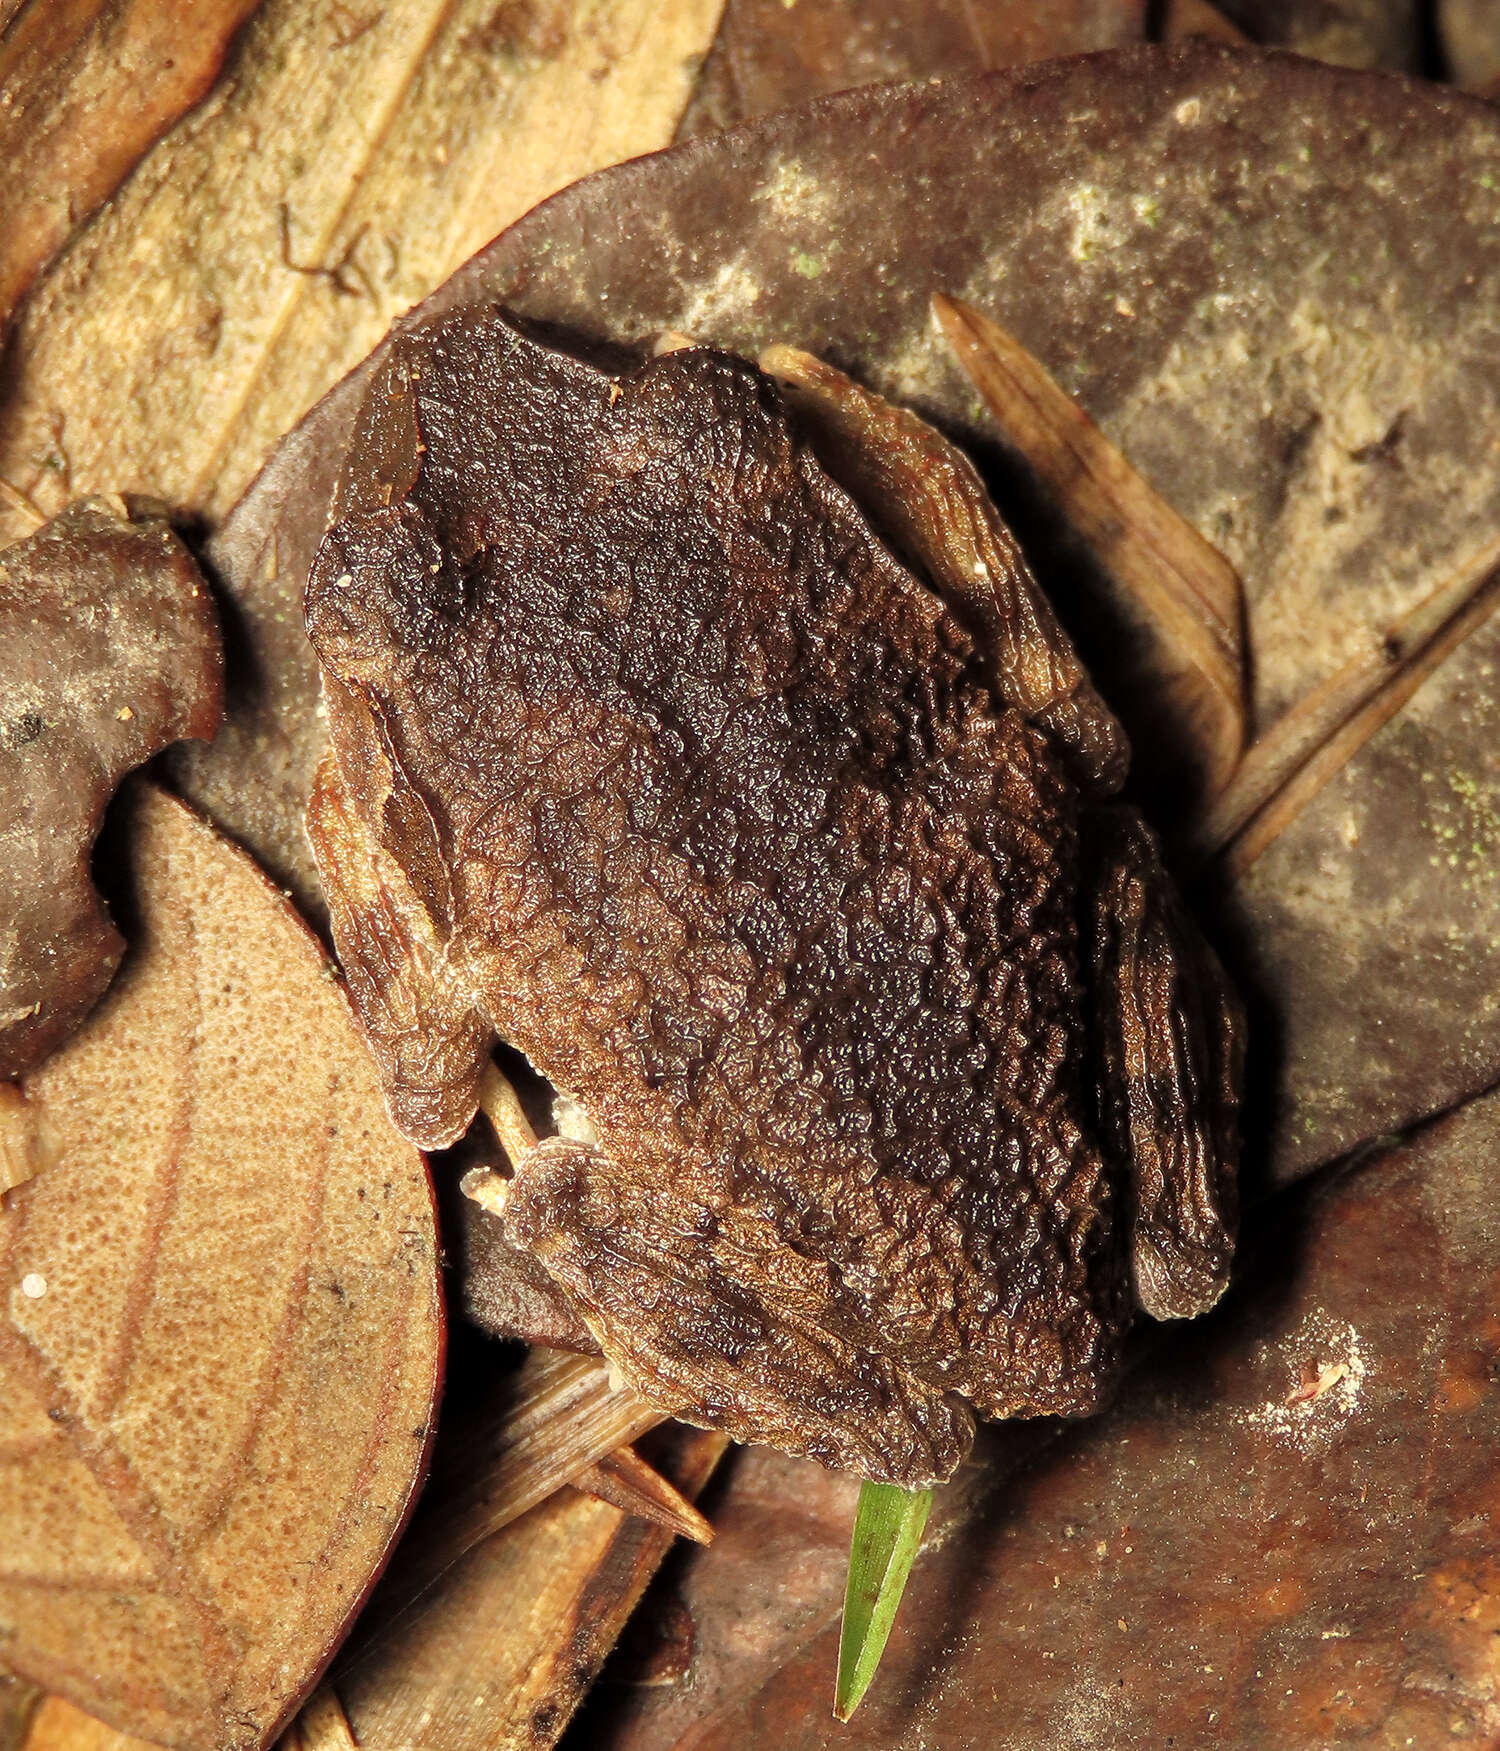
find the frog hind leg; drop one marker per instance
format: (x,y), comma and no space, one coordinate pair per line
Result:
(1167,1062)
(430,1044)
(677,1298)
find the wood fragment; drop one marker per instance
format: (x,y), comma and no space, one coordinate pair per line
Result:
(322,1724)
(501,1651)
(561,1416)
(626,1480)
(1189,594)
(1291,763)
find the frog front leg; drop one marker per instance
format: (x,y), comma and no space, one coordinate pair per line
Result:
(709,1316)
(1166,1063)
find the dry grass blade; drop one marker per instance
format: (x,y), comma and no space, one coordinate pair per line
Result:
(1289,765)
(1188,593)
(625,1480)
(20,1156)
(561,1416)
(1184,18)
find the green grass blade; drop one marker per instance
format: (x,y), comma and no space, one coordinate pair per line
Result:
(887,1530)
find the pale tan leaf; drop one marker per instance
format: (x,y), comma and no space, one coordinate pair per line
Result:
(221,1332)
(1189,598)
(88,85)
(58,1726)
(351,158)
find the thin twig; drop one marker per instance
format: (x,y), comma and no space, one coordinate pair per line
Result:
(22,502)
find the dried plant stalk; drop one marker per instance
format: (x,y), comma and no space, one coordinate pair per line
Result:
(625,1480)
(1289,765)
(563,1416)
(1185,588)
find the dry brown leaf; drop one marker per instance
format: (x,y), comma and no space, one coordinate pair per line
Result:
(222,1332)
(1187,595)
(771,55)
(352,157)
(109,650)
(88,85)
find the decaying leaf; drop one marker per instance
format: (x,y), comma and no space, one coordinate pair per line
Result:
(66,136)
(222,1332)
(1349,33)
(109,650)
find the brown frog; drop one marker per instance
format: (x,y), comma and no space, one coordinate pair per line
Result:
(781,840)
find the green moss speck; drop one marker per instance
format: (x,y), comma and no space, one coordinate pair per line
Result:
(807,265)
